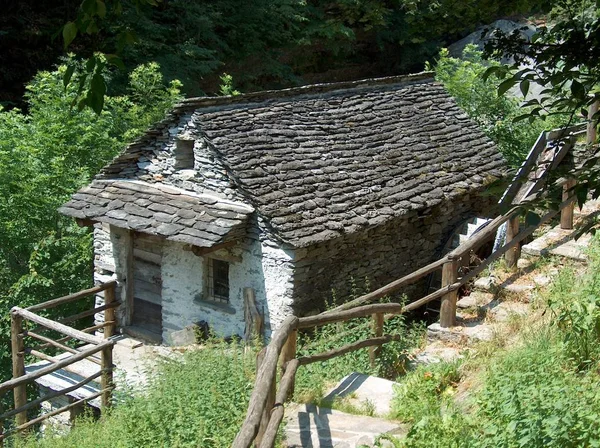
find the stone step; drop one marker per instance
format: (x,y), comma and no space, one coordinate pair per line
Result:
(464,332)
(559,242)
(364,391)
(310,426)
(477,299)
(436,352)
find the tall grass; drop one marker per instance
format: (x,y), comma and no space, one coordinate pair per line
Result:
(199,401)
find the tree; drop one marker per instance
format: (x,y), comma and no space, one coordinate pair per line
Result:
(562,57)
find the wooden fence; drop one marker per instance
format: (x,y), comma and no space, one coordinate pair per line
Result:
(266,408)
(27,326)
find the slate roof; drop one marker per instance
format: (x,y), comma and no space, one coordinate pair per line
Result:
(321,161)
(200,220)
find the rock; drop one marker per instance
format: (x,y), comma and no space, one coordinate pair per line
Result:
(517,288)
(485,283)
(524,263)
(503,311)
(310,426)
(475,299)
(187,336)
(459,334)
(542,280)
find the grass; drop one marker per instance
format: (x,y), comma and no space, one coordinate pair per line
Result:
(198,401)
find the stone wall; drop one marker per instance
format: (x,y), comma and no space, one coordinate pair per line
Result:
(260,266)
(375,257)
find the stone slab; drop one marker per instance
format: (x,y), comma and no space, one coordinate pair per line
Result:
(505,310)
(364,389)
(475,332)
(485,283)
(559,242)
(476,299)
(436,352)
(310,426)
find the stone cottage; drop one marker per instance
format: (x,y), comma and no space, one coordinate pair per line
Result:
(291,193)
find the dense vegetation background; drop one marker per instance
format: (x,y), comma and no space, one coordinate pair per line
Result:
(262,43)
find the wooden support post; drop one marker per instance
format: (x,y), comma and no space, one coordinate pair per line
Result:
(513,255)
(448,308)
(266,414)
(18,364)
(109,313)
(566,215)
(377,332)
(128,318)
(107,376)
(288,352)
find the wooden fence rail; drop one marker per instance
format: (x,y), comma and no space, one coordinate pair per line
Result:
(92,345)
(266,410)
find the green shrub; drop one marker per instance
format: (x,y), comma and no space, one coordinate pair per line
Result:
(312,379)
(200,400)
(575,304)
(479,99)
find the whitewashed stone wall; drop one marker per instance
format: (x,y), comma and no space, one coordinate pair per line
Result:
(265,268)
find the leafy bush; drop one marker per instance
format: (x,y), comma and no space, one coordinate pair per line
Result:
(312,379)
(532,399)
(200,400)
(46,154)
(575,304)
(479,99)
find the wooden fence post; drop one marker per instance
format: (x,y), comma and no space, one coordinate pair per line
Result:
(566,214)
(109,314)
(18,364)
(266,415)
(448,307)
(377,332)
(106,382)
(513,255)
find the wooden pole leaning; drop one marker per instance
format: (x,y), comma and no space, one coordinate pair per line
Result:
(448,307)
(266,412)
(512,228)
(18,363)
(378,319)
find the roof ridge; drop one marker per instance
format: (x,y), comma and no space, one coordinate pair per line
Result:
(207,101)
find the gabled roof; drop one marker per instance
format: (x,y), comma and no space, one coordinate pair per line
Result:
(177,215)
(321,161)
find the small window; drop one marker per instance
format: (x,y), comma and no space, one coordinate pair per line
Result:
(218,280)
(184,154)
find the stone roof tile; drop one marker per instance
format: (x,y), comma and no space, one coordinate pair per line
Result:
(162,213)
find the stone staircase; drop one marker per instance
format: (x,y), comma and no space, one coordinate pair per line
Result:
(308,425)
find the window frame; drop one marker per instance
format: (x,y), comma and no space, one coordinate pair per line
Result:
(211,286)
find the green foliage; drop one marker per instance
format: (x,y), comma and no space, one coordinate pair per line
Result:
(494,112)
(575,304)
(531,398)
(45,156)
(312,379)
(200,400)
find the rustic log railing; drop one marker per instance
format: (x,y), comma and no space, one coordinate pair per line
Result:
(266,407)
(84,345)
